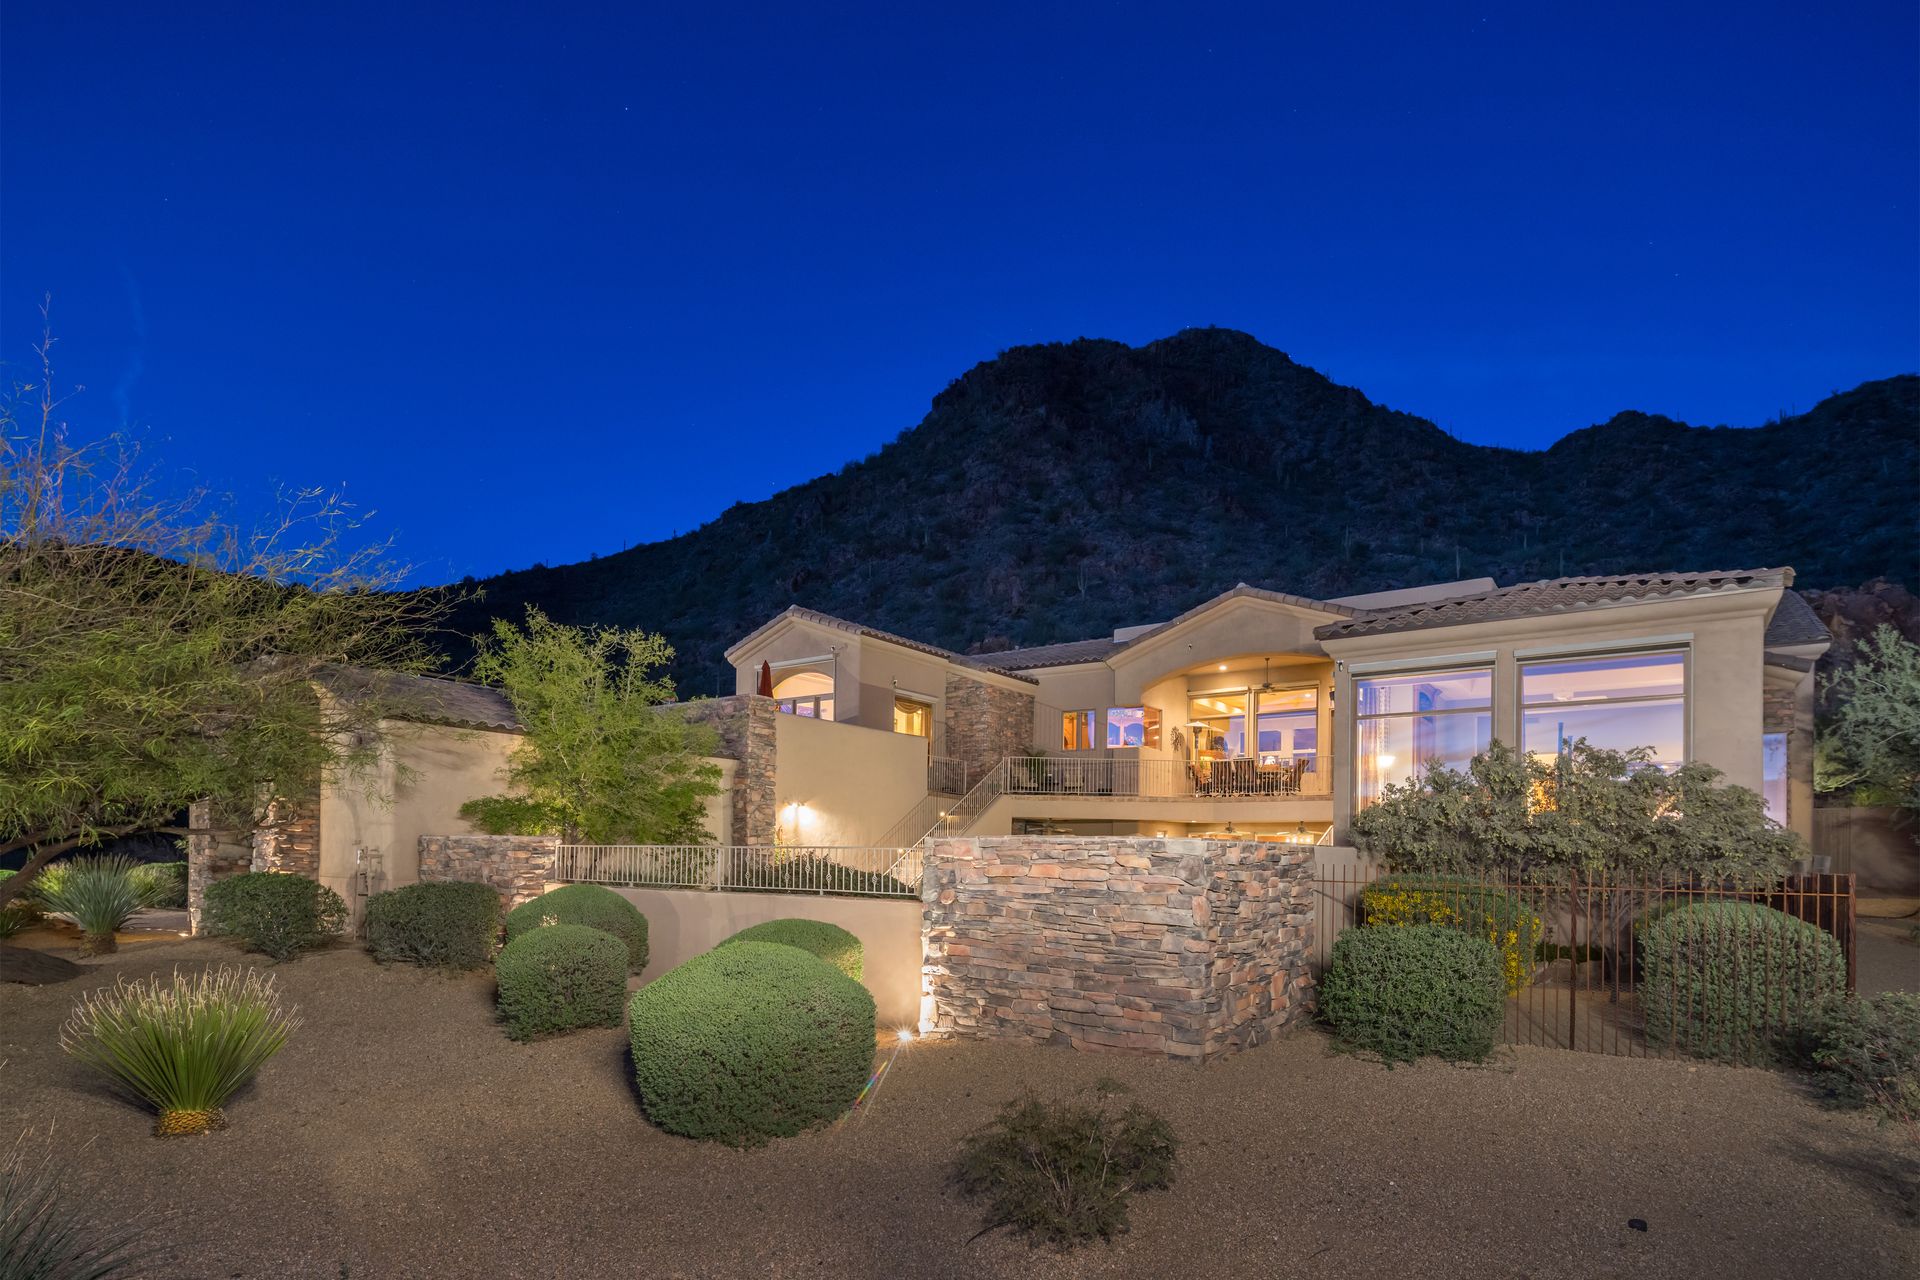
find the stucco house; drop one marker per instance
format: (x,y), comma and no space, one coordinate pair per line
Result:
(1260,713)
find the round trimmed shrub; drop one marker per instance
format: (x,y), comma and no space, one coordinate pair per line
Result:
(271,912)
(816,937)
(1410,992)
(1735,981)
(559,977)
(450,925)
(1485,910)
(592,905)
(750,1041)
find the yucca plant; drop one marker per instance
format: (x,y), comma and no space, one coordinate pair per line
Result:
(100,895)
(182,1046)
(44,1236)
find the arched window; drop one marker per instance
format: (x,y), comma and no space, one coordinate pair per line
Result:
(806,693)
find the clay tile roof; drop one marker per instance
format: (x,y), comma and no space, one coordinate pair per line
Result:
(1053,655)
(980,663)
(428,699)
(1071,651)
(1552,595)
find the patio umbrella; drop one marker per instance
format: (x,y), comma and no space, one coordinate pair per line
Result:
(765,687)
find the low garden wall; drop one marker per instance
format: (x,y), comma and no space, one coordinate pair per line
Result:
(684,923)
(518,867)
(1164,947)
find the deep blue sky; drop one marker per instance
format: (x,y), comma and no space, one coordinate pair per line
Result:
(544,281)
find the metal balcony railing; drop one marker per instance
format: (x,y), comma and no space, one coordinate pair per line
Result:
(1250,778)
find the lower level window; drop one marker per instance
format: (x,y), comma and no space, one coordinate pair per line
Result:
(1773,775)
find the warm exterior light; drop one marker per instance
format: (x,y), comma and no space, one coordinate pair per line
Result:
(1223,666)
(906,1036)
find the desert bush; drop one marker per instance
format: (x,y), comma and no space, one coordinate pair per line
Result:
(1410,992)
(1483,910)
(1866,1053)
(1734,980)
(183,1045)
(591,905)
(280,915)
(99,894)
(559,977)
(44,1234)
(816,937)
(18,912)
(1063,1172)
(750,1041)
(450,925)
(168,881)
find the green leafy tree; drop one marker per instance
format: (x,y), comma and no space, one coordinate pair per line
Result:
(602,762)
(156,652)
(1871,743)
(1595,813)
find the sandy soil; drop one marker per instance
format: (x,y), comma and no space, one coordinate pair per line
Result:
(401,1135)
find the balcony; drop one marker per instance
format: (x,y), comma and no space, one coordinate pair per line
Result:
(1245,778)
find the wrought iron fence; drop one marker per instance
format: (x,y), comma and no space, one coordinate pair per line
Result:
(1641,968)
(1247,778)
(817,869)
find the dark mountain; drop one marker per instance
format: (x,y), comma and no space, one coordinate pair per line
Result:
(1062,490)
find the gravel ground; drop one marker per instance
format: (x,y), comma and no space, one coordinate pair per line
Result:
(401,1135)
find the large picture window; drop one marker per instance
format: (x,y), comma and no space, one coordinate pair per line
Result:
(1617,702)
(1287,728)
(1218,722)
(1133,727)
(1407,724)
(806,693)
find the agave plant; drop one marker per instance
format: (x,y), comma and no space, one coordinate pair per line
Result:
(43,1234)
(100,895)
(183,1046)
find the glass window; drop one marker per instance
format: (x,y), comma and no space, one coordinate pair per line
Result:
(806,693)
(1773,775)
(1076,730)
(1218,722)
(1133,726)
(1287,727)
(1408,724)
(1618,702)
(910,715)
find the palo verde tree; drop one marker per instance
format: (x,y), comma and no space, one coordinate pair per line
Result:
(1587,812)
(1870,745)
(156,652)
(602,761)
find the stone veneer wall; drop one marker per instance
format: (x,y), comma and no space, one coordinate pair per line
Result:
(1778,707)
(518,867)
(288,838)
(746,728)
(986,723)
(1178,948)
(209,858)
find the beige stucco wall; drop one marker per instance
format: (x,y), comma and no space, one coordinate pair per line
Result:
(798,641)
(843,784)
(1723,633)
(683,923)
(426,773)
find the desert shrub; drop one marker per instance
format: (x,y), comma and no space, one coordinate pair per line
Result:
(280,915)
(1486,911)
(1866,1053)
(591,905)
(99,894)
(18,912)
(1735,981)
(749,1042)
(182,1045)
(44,1232)
(449,925)
(168,881)
(816,937)
(559,977)
(1415,991)
(1063,1171)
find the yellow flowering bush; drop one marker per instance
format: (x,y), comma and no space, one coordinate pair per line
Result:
(1489,912)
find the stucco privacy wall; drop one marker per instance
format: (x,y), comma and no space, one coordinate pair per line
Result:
(1177,948)
(683,923)
(843,784)
(517,867)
